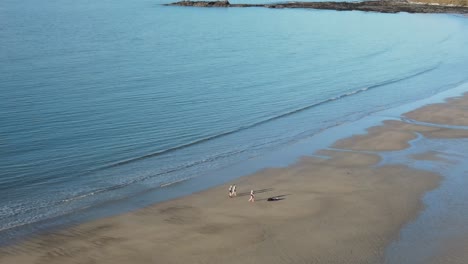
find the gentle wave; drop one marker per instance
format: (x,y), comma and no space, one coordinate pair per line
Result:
(19,209)
(70,199)
(376,53)
(445,39)
(209,159)
(198,141)
(173,182)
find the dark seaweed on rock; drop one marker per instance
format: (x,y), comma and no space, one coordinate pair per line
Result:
(366,6)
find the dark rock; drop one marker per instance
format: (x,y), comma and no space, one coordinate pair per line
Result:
(366,6)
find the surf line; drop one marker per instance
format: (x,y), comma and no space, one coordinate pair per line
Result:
(261,122)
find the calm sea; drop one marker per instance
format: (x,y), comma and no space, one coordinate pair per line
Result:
(103,100)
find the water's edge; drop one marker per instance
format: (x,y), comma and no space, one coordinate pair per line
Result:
(281,158)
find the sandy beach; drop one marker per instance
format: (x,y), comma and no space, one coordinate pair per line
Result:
(340,206)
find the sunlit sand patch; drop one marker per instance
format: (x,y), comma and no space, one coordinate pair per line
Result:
(454,112)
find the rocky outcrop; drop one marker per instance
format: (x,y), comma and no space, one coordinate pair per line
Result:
(203,3)
(442,2)
(367,6)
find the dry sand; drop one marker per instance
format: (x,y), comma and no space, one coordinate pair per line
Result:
(334,211)
(340,209)
(454,112)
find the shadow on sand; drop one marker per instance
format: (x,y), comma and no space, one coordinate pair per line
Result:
(274,198)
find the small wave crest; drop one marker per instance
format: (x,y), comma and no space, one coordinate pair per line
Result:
(167,184)
(147,177)
(7,212)
(269,119)
(375,53)
(85,195)
(227,154)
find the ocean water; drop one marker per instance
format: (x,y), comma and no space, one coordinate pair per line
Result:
(103,100)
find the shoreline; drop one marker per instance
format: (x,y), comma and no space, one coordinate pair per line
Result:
(346,185)
(365,6)
(333,217)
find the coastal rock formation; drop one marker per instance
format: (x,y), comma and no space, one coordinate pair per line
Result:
(367,6)
(203,3)
(442,2)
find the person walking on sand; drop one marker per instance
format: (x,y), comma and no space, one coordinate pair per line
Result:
(230,191)
(252,196)
(234,191)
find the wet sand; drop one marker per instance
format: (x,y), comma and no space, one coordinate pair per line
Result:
(340,207)
(455,251)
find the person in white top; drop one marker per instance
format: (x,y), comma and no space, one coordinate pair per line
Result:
(234,192)
(252,196)
(230,191)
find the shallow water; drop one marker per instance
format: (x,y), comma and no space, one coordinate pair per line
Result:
(100,101)
(444,219)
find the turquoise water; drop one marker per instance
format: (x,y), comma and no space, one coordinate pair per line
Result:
(102,100)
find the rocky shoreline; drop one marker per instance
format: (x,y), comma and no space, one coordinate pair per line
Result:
(366,6)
